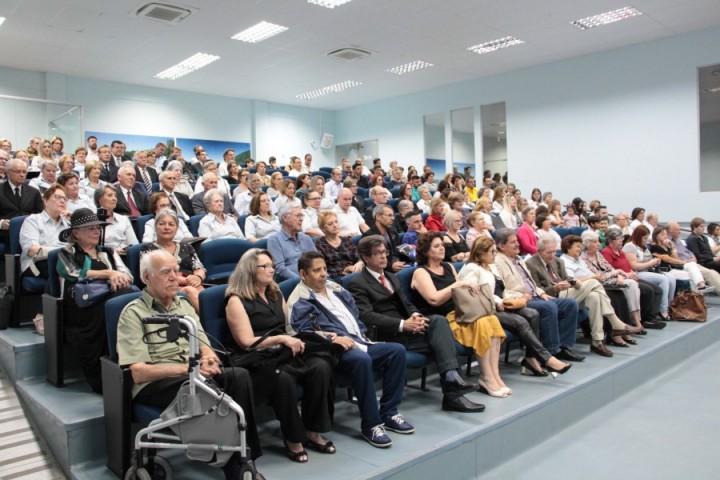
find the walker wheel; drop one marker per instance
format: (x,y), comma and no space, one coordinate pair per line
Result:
(161,469)
(134,473)
(247,471)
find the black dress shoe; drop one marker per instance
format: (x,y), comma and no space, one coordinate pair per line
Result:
(461,404)
(457,388)
(654,324)
(566,354)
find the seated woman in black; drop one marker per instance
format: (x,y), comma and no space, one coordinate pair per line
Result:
(255,311)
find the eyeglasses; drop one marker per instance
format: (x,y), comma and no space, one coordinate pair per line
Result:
(18,172)
(91,228)
(266,266)
(314,198)
(60,198)
(382,253)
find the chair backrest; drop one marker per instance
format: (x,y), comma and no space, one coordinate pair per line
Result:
(356,239)
(212,315)
(393,203)
(404,276)
(287,286)
(562,231)
(156,187)
(395,192)
(53,277)
(324,174)
(14,234)
(363,192)
(132,258)
(264,188)
(345,281)
(140,225)
(326,169)
(241,222)
(113,309)
(232,189)
(194,224)
(577,230)
(220,256)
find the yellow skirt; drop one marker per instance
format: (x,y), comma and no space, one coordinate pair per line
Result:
(476,335)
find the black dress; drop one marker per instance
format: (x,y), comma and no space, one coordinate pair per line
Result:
(440,282)
(279,385)
(453,248)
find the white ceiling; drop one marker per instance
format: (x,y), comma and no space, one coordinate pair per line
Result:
(103,39)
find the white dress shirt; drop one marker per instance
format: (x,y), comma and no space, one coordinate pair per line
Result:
(82,201)
(149,235)
(349,222)
(258,227)
(40,230)
(119,234)
(212,229)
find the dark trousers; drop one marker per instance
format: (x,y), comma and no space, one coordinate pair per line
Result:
(318,402)
(517,324)
(356,367)
(440,339)
(650,297)
(235,381)
(712,265)
(558,322)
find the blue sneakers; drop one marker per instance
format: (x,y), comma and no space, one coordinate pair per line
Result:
(397,423)
(376,436)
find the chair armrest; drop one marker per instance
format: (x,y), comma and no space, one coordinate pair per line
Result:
(52,308)
(117,401)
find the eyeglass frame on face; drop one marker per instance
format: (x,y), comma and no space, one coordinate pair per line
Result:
(59,198)
(384,253)
(266,266)
(90,228)
(18,172)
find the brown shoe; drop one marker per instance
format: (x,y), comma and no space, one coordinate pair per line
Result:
(601,349)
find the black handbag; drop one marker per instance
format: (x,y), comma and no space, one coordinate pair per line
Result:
(6,306)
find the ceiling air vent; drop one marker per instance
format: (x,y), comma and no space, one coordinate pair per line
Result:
(161,12)
(349,54)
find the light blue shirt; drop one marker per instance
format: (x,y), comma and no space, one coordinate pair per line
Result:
(286,251)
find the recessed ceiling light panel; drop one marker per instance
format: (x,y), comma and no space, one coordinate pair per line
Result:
(606,18)
(493,45)
(329,3)
(259,32)
(189,65)
(409,67)
(335,88)
(2,20)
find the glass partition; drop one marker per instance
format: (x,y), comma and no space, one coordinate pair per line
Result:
(494,138)
(709,101)
(435,157)
(463,140)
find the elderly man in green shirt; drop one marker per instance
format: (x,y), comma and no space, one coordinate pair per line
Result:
(159,368)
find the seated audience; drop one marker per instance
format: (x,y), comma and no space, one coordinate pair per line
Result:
(30,202)
(158,373)
(379,196)
(191,272)
(211,167)
(48,176)
(255,311)
(698,244)
(432,285)
(319,305)
(383,216)
(544,227)
(286,195)
(415,227)
(311,202)
(711,277)
(317,184)
(119,233)
(217,224)
(83,258)
(610,276)
(358,201)
(159,201)
(350,221)
(571,218)
(555,213)
(75,198)
(434,221)
(289,243)
(456,250)
(663,248)
(340,253)
(131,200)
(558,316)
(182,178)
(381,302)
(403,208)
(210,182)
(509,212)
(526,234)
(478,228)
(242,200)
(261,223)
(92,181)
(637,217)
(39,233)
(233,174)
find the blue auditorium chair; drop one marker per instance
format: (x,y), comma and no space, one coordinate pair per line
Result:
(220,257)
(24,288)
(326,169)
(325,175)
(132,259)
(139,225)
(287,286)
(52,307)
(194,224)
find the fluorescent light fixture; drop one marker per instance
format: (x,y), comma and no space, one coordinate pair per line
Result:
(488,47)
(329,3)
(258,33)
(409,67)
(2,20)
(606,18)
(189,65)
(335,88)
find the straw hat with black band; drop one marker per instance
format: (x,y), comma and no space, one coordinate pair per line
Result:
(82,217)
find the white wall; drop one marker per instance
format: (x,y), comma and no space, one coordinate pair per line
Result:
(621,126)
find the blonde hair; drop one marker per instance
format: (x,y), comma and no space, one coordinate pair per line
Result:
(242,280)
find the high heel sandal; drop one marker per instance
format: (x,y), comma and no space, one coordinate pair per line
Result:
(295,456)
(629,340)
(525,366)
(493,393)
(615,343)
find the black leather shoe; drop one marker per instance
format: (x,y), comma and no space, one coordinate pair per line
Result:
(654,324)
(461,404)
(457,388)
(566,354)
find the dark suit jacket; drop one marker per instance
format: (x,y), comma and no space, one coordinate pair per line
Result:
(184,201)
(139,197)
(394,243)
(199,206)
(111,175)
(368,215)
(30,202)
(359,203)
(377,307)
(151,173)
(700,247)
(539,273)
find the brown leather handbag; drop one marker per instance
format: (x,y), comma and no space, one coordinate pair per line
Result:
(688,306)
(471,304)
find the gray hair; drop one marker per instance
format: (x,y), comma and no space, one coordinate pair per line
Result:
(545,241)
(125,168)
(403,204)
(48,163)
(164,174)
(379,209)
(99,192)
(173,165)
(209,176)
(207,198)
(423,188)
(612,234)
(147,262)
(589,236)
(166,212)
(284,210)
(12,164)
(450,217)
(504,235)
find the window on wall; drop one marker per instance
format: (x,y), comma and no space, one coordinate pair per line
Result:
(709,102)
(366,151)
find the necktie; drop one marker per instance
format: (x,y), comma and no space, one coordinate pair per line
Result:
(384,283)
(552,274)
(131,203)
(147,181)
(17,193)
(178,208)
